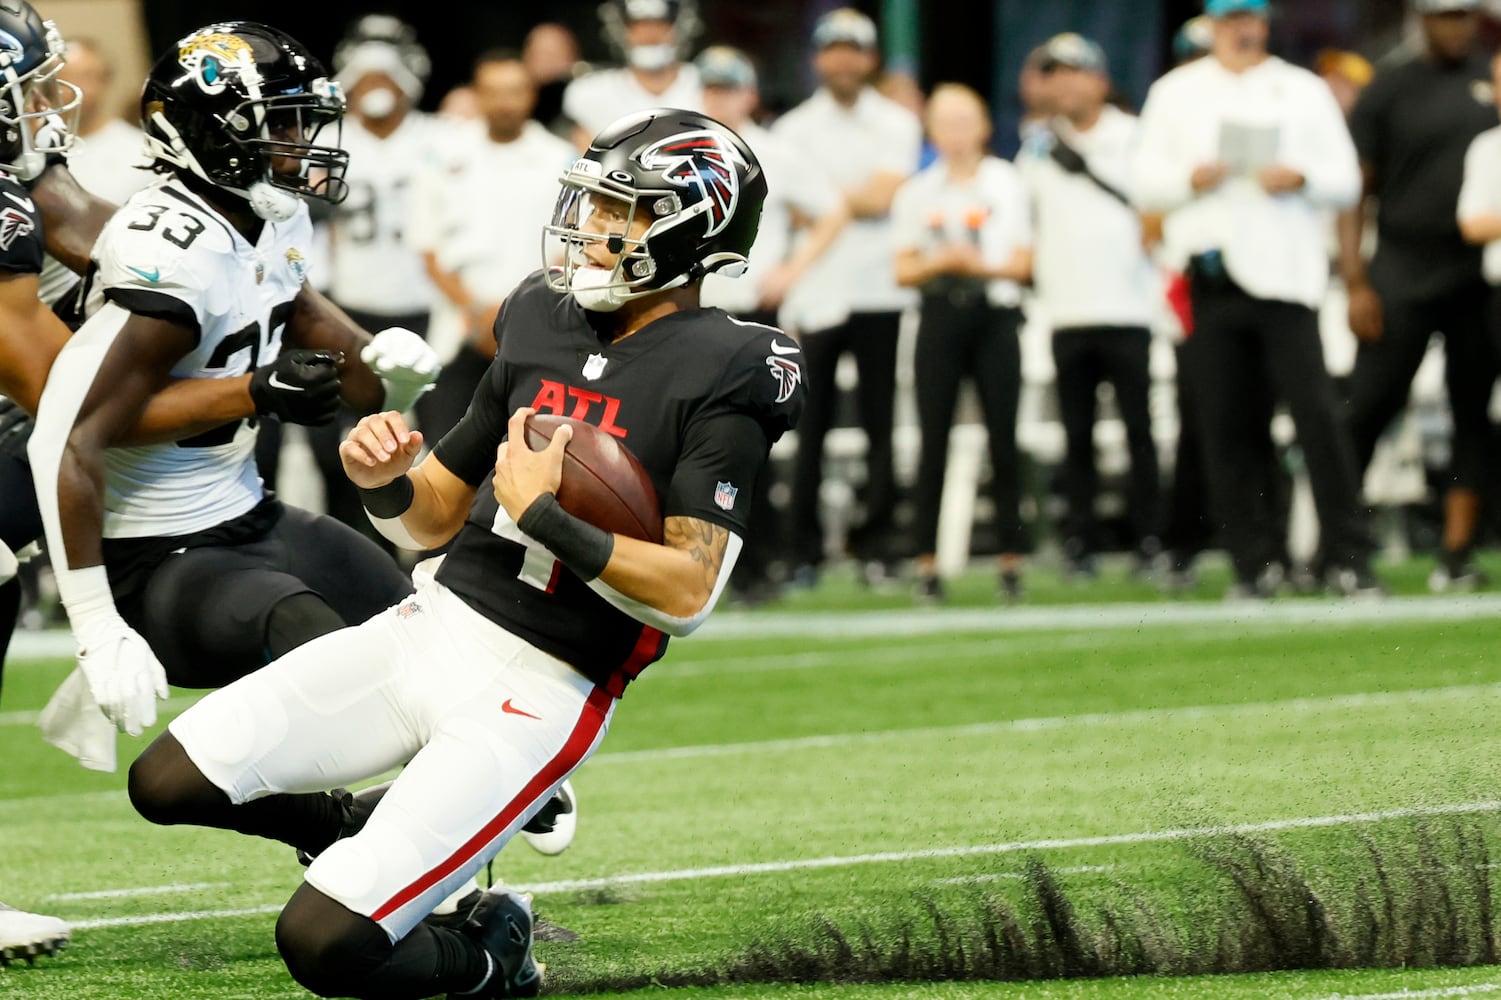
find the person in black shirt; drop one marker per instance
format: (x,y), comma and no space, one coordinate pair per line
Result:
(1412,127)
(499,676)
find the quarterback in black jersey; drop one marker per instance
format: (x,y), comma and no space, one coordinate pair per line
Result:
(500,675)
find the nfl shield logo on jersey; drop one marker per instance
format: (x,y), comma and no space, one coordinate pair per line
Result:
(724,495)
(594,367)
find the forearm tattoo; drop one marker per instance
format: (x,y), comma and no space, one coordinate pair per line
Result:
(704,542)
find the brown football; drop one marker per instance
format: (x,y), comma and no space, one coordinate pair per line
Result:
(603,483)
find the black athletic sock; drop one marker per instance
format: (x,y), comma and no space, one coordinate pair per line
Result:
(166,787)
(10,613)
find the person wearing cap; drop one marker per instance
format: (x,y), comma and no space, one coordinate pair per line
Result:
(1096,286)
(797,191)
(1412,128)
(849,302)
(1247,154)
(963,236)
(478,226)
(652,36)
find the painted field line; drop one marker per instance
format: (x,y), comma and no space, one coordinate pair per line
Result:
(884,857)
(931,621)
(174,918)
(59,644)
(1442,991)
(1012,847)
(1145,716)
(1148,716)
(145,890)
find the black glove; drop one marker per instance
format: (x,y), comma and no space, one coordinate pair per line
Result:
(300,387)
(1067,157)
(15,428)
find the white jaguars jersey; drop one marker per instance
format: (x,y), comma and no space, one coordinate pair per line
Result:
(167,254)
(374,267)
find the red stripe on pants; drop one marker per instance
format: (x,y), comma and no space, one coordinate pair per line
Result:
(585,732)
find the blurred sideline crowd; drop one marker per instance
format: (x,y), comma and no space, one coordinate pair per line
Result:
(1205,323)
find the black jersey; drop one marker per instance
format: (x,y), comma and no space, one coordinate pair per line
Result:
(1413,126)
(698,397)
(21,246)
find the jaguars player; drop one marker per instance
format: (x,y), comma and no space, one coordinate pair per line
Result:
(171,560)
(501,674)
(47,225)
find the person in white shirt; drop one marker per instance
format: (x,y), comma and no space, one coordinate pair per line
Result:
(1479,212)
(478,223)
(849,302)
(375,274)
(1248,154)
(652,35)
(796,189)
(963,236)
(1096,285)
(110,158)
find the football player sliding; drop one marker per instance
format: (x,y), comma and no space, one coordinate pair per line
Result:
(501,674)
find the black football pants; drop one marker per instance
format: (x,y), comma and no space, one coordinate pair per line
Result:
(1084,358)
(1248,350)
(980,341)
(871,338)
(1379,385)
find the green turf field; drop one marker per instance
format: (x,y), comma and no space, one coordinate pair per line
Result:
(863,766)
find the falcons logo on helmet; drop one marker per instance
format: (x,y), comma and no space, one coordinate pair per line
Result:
(703,162)
(13,225)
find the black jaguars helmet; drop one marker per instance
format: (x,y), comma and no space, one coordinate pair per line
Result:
(232,101)
(38,111)
(695,182)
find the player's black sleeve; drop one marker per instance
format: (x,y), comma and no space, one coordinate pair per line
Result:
(715,478)
(21,243)
(468,451)
(1368,122)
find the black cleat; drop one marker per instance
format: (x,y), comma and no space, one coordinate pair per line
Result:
(501,924)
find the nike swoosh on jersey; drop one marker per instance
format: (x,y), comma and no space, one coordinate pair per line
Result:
(511,709)
(25,203)
(155,274)
(777,348)
(275,382)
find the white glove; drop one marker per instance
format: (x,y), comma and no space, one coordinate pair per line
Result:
(407,366)
(124,676)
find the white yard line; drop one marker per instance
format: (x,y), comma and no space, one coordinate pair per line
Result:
(28,645)
(1381,699)
(1443,991)
(1012,847)
(885,857)
(1148,716)
(936,621)
(145,890)
(174,918)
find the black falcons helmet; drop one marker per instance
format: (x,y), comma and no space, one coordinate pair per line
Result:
(38,112)
(229,98)
(696,182)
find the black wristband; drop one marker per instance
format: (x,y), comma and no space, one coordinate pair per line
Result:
(579,545)
(390,500)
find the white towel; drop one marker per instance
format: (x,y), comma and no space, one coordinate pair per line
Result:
(75,724)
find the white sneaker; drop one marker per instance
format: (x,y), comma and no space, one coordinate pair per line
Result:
(552,829)
(27,935)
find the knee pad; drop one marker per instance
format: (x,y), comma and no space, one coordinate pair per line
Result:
(296,620)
